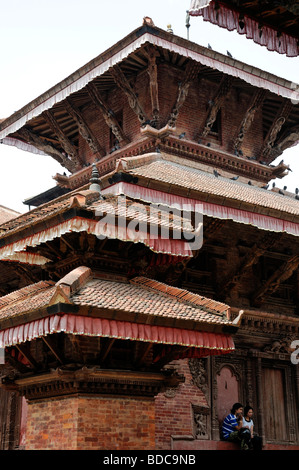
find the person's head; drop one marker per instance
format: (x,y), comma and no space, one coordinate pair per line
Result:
(248,411)
(237,409)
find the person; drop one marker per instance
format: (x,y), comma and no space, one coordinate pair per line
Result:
(255,440)
(232,427)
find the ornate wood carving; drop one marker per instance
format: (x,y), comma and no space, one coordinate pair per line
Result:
(251,258)
(280,275)
(270,139)
(216,104)
(63,139)
(93,380)
(151,54)
(256,102)
(198,369)
(191,72)
(201,421)
(46,147)
(122,82)
(288,138)
(108,115)
(83,128)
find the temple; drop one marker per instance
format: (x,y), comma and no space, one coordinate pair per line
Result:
(157,282)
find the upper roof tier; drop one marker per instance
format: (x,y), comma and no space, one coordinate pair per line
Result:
(157,82)
(271,24)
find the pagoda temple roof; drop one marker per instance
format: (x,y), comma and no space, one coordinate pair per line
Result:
(271,24)
(140,309)
(31,128)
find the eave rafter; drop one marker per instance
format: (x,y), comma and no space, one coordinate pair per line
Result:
(83,128)
(191,73)
(108,115)
(122,82)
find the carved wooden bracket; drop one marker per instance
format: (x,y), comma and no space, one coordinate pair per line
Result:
(250,259)
(277,124)
(109,117)
(151,54)
(255,104)
(69,148)
(279,276)
(122,82)
(47,148)
(83,128)
(216,104)
(191,72)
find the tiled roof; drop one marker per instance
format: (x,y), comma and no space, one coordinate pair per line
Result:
(179,173)
(140,296)
(26,299)
(85,199)
(149,298)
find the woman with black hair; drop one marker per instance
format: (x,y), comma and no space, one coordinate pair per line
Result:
(255,440)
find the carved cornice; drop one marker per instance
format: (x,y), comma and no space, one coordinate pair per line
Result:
(92,381)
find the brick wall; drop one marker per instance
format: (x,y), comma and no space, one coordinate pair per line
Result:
(84,423)
(192,115)
(174,414)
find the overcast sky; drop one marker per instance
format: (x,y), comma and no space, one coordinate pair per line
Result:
(44,41)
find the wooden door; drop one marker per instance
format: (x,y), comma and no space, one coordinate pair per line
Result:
(274,412)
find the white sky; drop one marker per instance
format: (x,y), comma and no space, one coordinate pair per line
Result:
(44,41)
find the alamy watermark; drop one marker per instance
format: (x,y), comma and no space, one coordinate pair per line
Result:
(295,354)
(138,222)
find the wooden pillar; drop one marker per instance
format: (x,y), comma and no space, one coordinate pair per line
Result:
(259,396)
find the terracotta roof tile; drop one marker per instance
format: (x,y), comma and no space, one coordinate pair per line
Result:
(166,169)
(136,297)
(26,299)
(139,296)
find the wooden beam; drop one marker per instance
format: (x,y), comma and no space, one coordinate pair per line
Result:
(191,73)
(48,148)
(53,348)
(109,116)
(69,148)
(259,248)
(122,82)
(216,103)
(255,104)
(279,276)
(26,353)
(83,128)
(106,349)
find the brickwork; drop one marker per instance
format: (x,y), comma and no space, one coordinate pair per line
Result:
(84,423)
(191,118)
(174,414)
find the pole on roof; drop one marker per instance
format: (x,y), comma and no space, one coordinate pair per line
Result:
(187,23)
